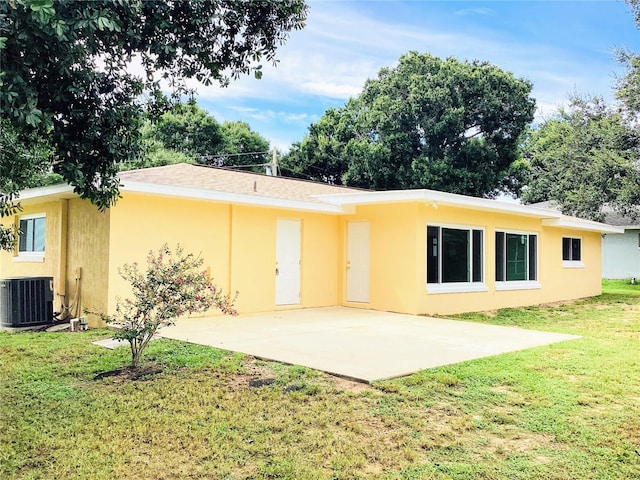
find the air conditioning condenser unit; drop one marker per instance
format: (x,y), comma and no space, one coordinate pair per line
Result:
(26,301)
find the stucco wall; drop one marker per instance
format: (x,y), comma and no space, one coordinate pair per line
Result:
(236,242)
(621,255)
(394,248)
(253,257)
(398,260)
(87,248)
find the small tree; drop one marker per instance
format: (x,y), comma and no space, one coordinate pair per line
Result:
(174,284)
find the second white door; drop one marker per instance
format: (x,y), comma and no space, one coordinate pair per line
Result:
(358,262)
(288,236)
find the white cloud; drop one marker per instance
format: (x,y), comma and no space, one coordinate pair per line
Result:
(344,43)
(476,11)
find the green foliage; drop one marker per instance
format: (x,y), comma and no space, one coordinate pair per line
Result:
(66,73)
(584,159)
(189,133)
(188,129)
(427,123)
(239,143)
(173,285)
(24,163)
(628,86)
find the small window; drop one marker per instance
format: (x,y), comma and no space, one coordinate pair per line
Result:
(571,249)
(32,235)
(516,257)
(572,252)
(454,255)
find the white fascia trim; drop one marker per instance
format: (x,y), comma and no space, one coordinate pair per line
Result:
(580,224)
(43,192)
(436,198)
(213,195)
(458,287)
(518,285)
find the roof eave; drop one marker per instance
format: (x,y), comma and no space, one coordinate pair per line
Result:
(40,194)
(226,197)
(579,224)
(435,198)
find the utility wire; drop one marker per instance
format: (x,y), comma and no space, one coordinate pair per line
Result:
(224,155)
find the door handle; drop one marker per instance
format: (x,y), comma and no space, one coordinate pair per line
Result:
(277,271)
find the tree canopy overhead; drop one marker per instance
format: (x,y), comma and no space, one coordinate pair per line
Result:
(427,123)
(66,69)
(585,159)
(189,133)
(628,86)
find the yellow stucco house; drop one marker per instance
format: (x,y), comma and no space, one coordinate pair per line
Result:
(285,243)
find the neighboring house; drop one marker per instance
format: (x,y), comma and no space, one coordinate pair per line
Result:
(621,253)
(286,243)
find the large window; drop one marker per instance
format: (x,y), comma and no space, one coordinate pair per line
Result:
(32,234)
(516,257)
(454,255)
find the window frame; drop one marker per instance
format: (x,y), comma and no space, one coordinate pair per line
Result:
(528,284)
(30,255)
(572,263)
(457,287)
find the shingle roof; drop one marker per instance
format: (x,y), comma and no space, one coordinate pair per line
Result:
(202,177)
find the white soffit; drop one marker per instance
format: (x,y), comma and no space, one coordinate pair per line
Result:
(436,198)
(580,224)
(39,194)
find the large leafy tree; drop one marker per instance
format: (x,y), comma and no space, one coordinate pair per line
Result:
(427,123)
(242,147)
(190,130)
(584,159)
(189,133)
(66,70)
(628,88)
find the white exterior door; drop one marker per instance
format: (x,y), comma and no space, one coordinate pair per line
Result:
(358,262)
(288,235)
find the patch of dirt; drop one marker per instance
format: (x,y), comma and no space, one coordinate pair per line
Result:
(349,385)
(527,444)
(261,382)
(143,372)
(256,368)
(256,374)
(501,389)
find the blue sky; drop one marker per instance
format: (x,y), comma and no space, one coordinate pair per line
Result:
(560,46)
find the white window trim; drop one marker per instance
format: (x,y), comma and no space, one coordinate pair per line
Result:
(572,264)
(29,216)
(459,287)
(456,287)
(26,257)
(522,284)
(35,257)
(518,285)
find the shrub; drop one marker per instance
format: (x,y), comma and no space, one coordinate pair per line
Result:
(174,284)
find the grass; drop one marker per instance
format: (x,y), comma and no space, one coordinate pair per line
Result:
(566,411)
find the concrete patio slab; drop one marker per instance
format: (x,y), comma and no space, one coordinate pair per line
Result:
(365,345)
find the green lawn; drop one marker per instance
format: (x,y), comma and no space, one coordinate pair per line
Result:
(565,411)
